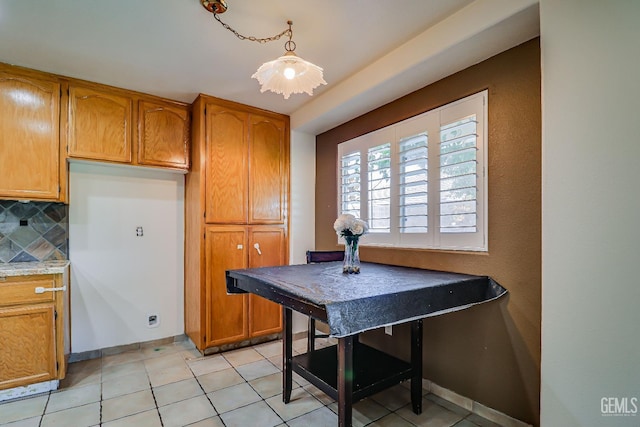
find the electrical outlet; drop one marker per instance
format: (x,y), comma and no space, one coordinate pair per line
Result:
(139,232)
(388,330)
(153,320)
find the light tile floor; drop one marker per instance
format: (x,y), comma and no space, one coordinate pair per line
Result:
(173,385)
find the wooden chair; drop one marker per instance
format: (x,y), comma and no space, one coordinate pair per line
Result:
(315,257)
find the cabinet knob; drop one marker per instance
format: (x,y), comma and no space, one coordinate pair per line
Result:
(239,247)
(257,246)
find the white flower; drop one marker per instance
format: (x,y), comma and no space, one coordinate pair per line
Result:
(344,222)
(357,229)
(349,225)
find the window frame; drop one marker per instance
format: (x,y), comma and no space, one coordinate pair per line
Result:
(432,122)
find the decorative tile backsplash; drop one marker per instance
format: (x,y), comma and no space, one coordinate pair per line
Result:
(34,231)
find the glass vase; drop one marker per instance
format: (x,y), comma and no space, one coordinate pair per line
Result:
(351,263)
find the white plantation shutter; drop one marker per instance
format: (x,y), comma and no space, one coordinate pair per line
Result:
(350,183)
(462,190)
(458,180)
(379,185)
(416,194)
(413,184)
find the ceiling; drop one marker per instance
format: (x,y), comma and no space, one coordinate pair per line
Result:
(372,51)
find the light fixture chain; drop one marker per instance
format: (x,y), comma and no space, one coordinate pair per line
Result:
(286,32)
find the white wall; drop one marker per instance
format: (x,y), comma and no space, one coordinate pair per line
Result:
(116,277)
(303,189)
(591,211)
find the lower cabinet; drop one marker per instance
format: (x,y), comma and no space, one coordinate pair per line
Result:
(266,249)
(236,318)
(32,330)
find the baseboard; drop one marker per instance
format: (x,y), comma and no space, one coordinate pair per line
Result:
(490,414)
(28,390)
(253,341)
(299,335)
(107,351)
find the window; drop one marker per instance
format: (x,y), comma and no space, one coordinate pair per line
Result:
(421,182)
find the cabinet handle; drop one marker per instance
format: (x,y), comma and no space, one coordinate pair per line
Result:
(41,290)
(257,246)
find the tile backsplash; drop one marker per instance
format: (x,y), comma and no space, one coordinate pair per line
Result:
(33,231)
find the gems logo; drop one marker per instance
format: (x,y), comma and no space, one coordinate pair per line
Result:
(619,406)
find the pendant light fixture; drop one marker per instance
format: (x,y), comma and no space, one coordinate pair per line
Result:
(286,75)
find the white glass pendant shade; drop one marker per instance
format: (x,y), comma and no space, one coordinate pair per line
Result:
(289,74)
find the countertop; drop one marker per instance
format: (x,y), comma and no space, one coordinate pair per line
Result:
(30,268)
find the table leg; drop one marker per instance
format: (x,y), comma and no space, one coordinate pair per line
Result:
(345,380)
(311,335)
(416,366)
(287,337)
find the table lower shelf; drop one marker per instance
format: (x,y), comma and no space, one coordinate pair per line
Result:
(374,370)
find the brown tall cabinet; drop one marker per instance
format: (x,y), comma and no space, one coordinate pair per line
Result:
(237,205)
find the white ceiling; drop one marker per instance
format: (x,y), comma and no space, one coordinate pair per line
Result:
(372,51)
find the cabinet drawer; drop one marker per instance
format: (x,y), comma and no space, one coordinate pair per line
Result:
(21,290)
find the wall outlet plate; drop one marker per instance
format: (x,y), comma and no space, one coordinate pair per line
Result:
(153,320)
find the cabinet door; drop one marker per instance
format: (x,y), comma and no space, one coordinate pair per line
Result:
(28,352)
(227,319)
(99,125)
(267,170)
(29,138)
(266,249)
(226,178)
(163,135)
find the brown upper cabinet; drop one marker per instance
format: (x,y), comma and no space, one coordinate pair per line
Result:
(227,132)
(46,119)
(101,127)
(30,137)
(246,175)
(267,176)
(163,135)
